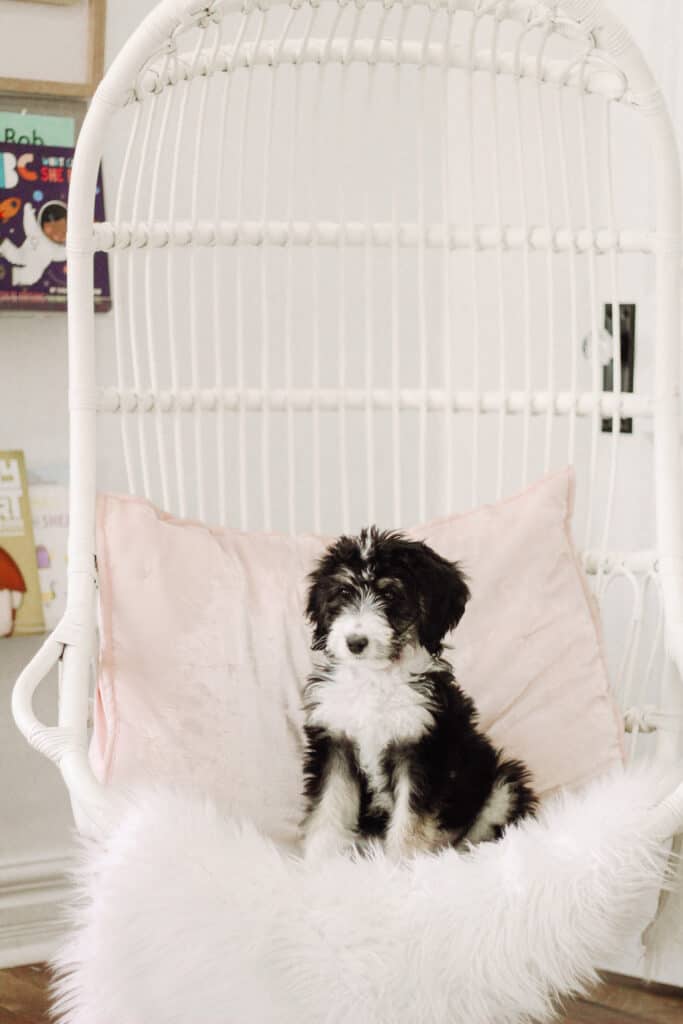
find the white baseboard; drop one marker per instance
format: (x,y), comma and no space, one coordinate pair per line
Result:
(32,896)
(668,972)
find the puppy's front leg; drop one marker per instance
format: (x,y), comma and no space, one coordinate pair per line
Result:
(403,831)
(333,793)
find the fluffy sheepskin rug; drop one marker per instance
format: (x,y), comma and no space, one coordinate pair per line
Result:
(186,917)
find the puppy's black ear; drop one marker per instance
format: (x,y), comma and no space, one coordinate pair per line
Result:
(316,607)
(443,596)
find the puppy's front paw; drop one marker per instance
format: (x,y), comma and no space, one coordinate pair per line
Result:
(322,844)
(398,848)
(402,844)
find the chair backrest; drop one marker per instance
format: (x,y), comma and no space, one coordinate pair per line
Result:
(365,261)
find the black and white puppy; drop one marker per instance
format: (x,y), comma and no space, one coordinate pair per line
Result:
(393,752)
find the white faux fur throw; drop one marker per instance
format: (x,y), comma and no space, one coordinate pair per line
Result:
(186,918)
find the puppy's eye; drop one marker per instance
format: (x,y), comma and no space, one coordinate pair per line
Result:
(344,593)
(390,590)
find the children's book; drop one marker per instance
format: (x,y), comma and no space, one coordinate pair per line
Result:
(21,605)
(34,189)
(36,129)
(50,511)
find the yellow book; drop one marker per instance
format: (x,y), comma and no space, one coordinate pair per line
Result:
(21,606)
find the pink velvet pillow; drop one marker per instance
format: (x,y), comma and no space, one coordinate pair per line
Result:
(204,649)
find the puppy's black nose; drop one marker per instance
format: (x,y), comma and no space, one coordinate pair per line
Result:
(356,643)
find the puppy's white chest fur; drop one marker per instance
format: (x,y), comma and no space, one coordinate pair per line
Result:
(374,706)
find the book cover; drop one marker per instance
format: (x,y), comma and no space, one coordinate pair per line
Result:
(50,511)
(21,605)
(24,129)
(34,188)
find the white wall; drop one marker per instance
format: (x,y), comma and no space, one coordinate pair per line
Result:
(34,814)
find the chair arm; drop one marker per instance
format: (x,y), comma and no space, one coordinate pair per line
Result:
(96,807)
(51,740)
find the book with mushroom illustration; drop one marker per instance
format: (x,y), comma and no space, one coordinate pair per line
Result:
(21,606)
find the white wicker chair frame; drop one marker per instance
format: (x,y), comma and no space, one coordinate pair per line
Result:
(274,214)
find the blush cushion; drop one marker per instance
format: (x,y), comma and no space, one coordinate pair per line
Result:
(205,649)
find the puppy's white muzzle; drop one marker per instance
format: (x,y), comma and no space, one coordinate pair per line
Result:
(361,632)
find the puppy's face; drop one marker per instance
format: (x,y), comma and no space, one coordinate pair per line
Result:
(373,595)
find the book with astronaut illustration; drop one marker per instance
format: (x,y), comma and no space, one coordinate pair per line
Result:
(34,186)
(21,603)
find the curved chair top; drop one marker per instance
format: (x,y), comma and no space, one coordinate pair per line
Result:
(173,16)
(158,30)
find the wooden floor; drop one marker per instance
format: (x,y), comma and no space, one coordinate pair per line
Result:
(627,1001)
(23,1000)
(23,995)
